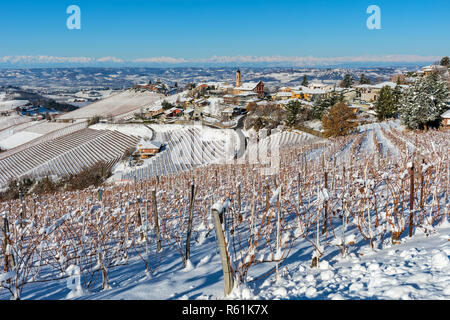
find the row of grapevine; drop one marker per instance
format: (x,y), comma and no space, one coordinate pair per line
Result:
(65,155)
(311,200)
(70,128)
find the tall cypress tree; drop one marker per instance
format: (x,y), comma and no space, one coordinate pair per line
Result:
(294,108)
(385,105)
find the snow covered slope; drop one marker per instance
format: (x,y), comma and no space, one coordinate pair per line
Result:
(116,105)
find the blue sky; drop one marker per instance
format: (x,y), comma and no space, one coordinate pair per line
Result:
(174,31)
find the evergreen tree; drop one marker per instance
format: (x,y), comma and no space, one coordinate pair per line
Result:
(445,62)
(305,82)
(339,121)
(387,103)
(364,79)
(347,82)
(397,93)
(423,104)
(294,108)
(322,105)
(166,105)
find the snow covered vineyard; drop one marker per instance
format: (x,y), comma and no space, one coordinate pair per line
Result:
(330,224)
(11,121)
(65,155)
(184,150)
(187,149)
(116,106)
(28,134)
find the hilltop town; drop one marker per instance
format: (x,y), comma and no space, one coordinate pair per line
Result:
(223,104)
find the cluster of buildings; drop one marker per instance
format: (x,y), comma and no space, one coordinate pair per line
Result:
(158,87)
(219,101)
(226,101)
(37,112)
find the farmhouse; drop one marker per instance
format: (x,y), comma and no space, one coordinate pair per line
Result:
(154,111)
(173,112)
(446,120)
(230,99)
(147,149)
(283,95)
(426,71)
(370,93)
(228,113)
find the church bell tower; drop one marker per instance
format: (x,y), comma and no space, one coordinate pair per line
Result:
(238,78)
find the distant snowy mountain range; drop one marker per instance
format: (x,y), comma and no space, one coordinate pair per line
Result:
(75,79)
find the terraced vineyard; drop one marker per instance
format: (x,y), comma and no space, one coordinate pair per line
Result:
(65,155)
(116,106)
(188,149)
(12,121)
(47,130)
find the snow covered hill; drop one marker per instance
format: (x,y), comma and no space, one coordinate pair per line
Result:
(115,106)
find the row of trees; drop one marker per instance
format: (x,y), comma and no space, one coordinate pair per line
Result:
(348,80)
(420,106)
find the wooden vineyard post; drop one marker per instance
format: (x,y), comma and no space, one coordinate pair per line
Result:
(343,231)
(5,241)
(325,207)
(100,194)
(306,166)
(155,217)
(23,207)
(189,231)
(411,200)
(9,260)
(139,218)
(239,201)
(267,198)
(227,272)
(421,186)
(278,253)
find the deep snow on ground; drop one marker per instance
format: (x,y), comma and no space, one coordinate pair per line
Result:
(18,139)
(418,268)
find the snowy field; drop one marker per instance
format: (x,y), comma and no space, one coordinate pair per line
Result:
(189,146)
(11,104)
(18,139)
(10,121)
(418,268)
(8,105)
(115,105)
(129,129)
